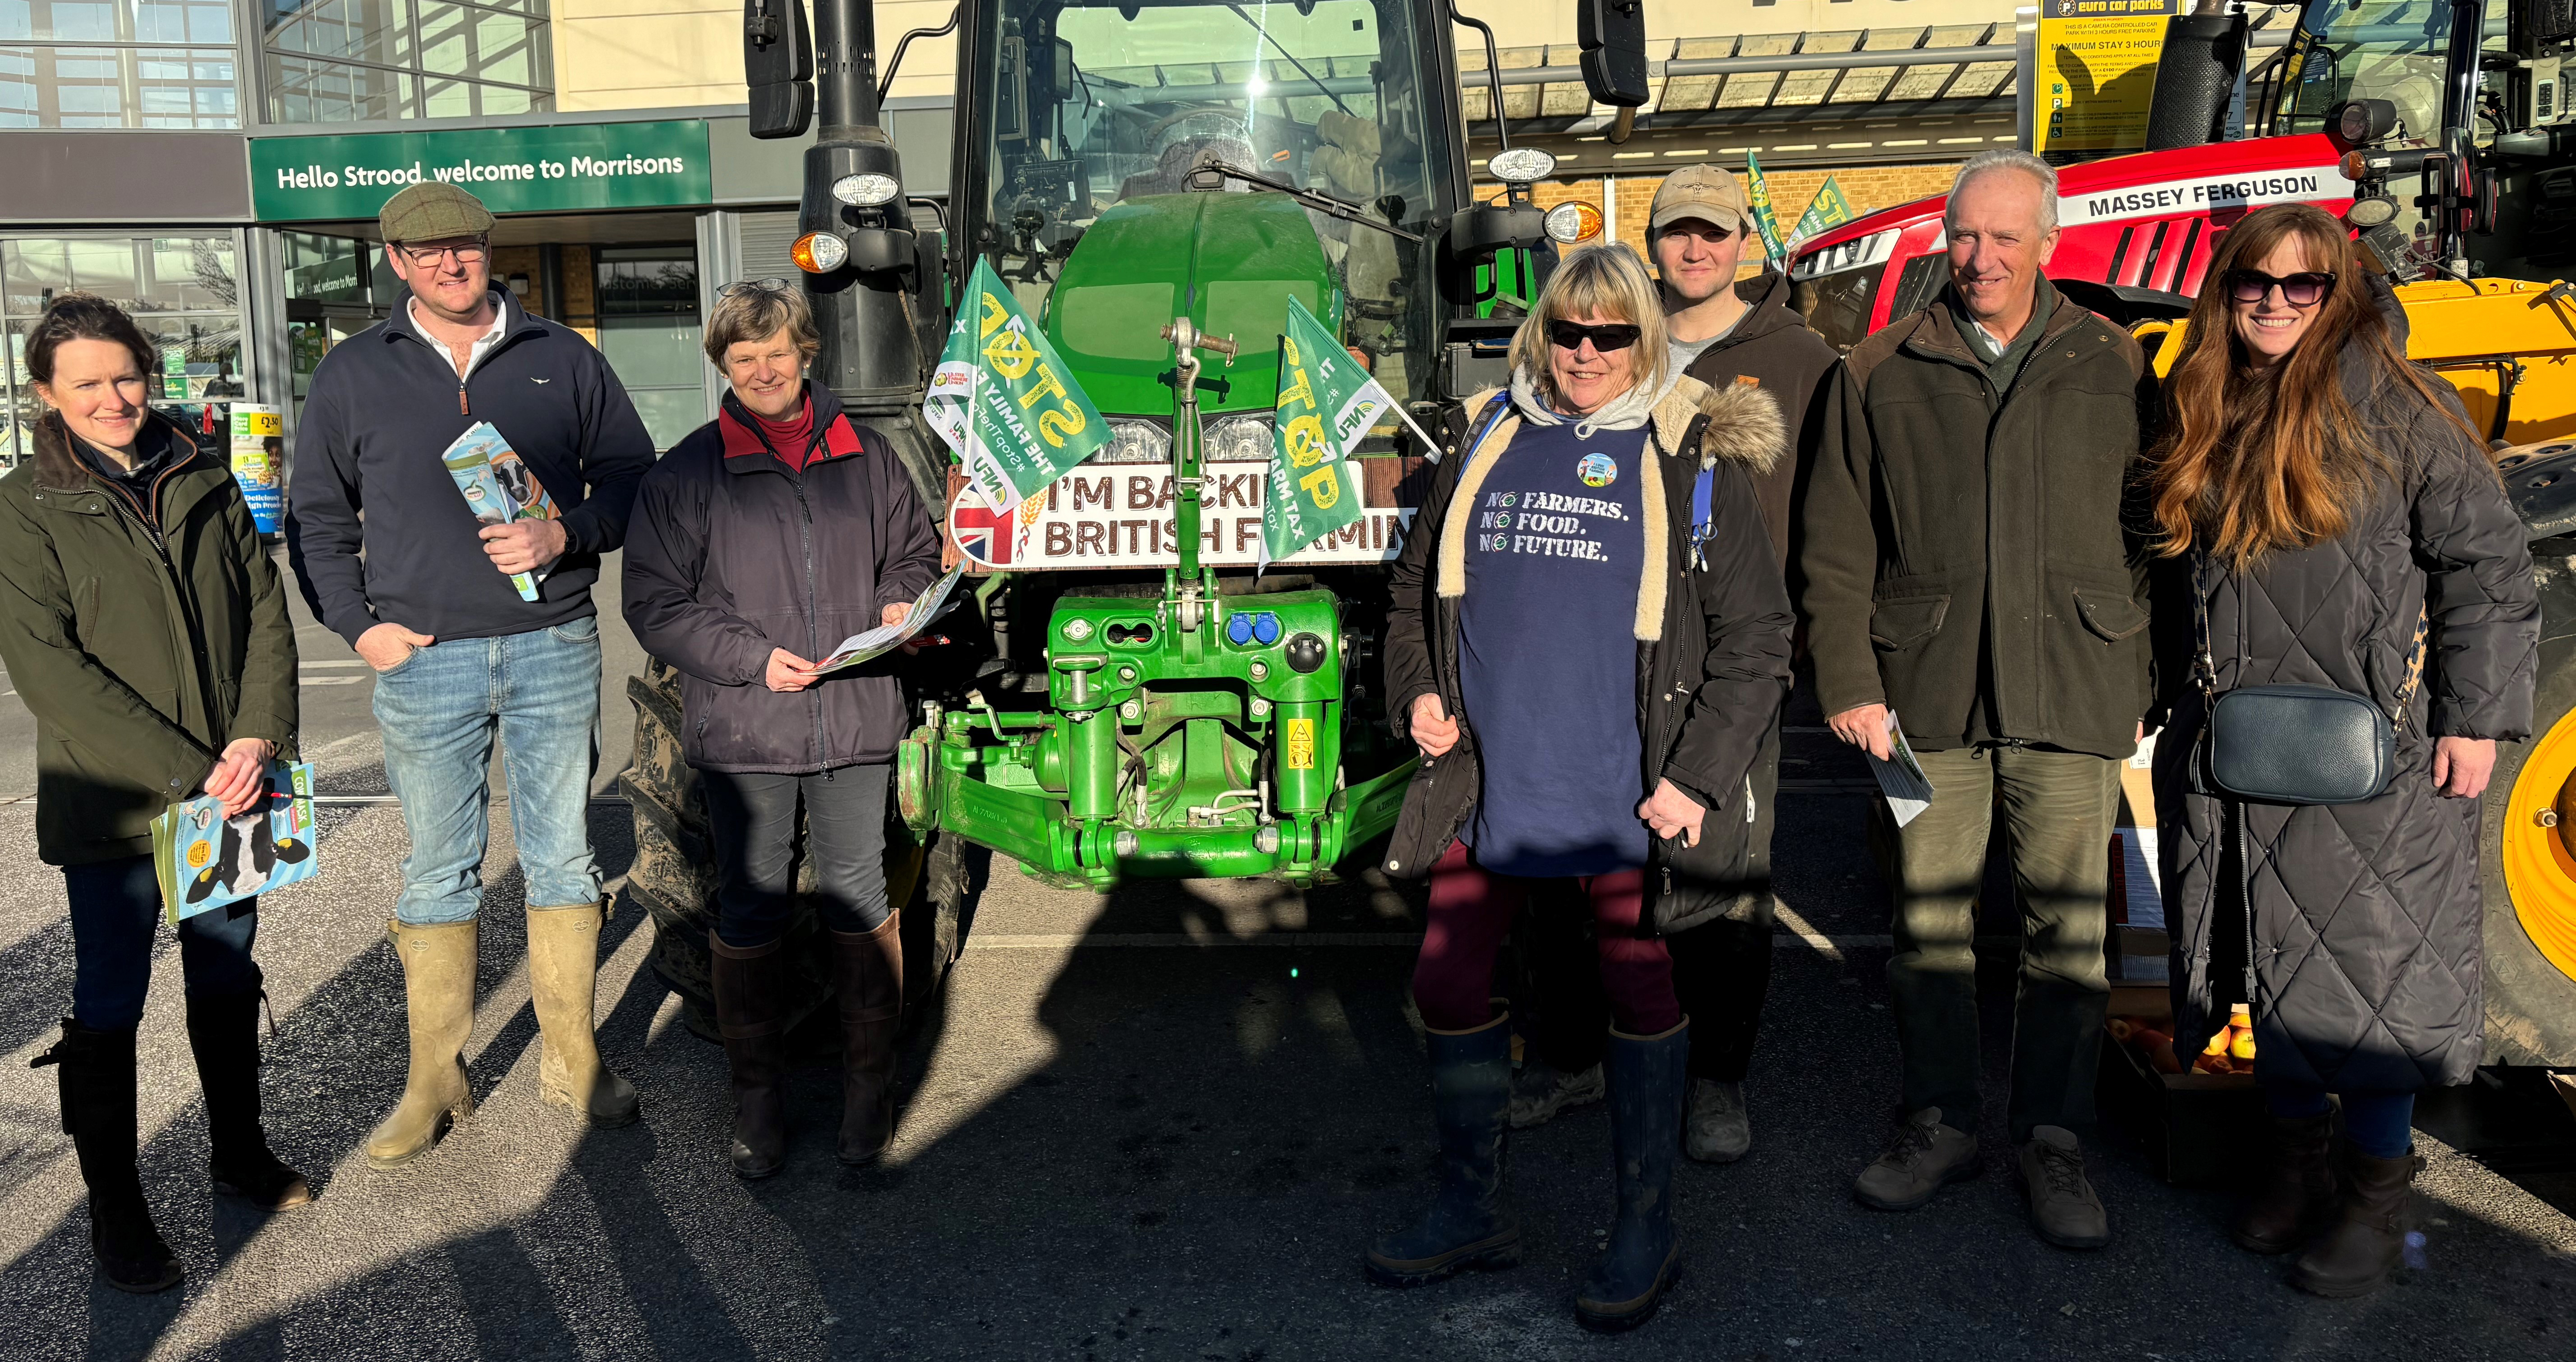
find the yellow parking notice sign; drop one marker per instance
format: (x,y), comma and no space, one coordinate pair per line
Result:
(2097,72)
(1301,744)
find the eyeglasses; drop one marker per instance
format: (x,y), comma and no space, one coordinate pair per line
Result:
(736,290)
(1605,338)
(2305,289)
(422,257)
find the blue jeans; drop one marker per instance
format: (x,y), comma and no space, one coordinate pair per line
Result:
(2380,1124)
(440,709)
(116,913)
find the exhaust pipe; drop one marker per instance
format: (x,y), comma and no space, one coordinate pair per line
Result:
(2196,78)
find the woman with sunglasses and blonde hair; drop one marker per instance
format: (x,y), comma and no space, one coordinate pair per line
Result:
(1588,640)
(2330,522)
(766,537)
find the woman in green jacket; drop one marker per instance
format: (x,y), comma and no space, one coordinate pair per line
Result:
(146,629)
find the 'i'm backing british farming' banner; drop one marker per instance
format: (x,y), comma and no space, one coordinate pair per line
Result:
(1003,400)
(1326,403)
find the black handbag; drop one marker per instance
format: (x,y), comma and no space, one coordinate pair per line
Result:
(2293,744)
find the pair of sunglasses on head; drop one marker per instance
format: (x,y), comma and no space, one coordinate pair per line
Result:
(2305,289)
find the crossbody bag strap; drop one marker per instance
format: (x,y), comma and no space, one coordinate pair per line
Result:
(2414,667)
(2204,668)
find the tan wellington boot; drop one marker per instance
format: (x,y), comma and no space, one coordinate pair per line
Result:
(438,987)
(563,970)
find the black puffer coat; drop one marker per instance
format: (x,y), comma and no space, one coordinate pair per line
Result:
(2362,947)
(1712,633)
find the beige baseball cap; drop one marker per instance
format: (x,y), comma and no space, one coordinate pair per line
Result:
(435,211)
(1701,191)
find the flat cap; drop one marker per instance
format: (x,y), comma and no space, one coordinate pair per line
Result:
(433,211)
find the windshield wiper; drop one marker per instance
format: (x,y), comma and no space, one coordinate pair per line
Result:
(1292,59)
(1210,176)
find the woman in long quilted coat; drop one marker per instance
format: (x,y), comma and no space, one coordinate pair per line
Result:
(2333,513)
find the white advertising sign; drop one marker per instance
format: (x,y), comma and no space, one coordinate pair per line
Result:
(1121,515)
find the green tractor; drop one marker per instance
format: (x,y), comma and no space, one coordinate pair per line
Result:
(1155,180)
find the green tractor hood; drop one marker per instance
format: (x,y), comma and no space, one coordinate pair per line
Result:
(1230,262)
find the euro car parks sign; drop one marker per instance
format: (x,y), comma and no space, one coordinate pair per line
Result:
(562,168)
(1120,515)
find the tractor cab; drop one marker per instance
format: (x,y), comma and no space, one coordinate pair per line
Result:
(1091,170)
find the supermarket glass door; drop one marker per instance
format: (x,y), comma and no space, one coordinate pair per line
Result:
(647,311)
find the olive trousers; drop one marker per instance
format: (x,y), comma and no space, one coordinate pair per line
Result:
(2058,809)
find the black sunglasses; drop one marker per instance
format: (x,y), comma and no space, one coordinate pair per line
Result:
(2298,290)
(1605,338)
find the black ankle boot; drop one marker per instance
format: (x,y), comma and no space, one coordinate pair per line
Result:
(1647,1075)
(97,1084)
(1471,1092)
(224,1034)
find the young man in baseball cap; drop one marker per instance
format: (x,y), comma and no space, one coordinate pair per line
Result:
(1723,331)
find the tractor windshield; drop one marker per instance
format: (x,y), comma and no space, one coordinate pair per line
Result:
(1089,104)
(2374,49)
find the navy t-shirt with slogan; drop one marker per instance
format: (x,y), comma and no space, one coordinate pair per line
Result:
(1547,653)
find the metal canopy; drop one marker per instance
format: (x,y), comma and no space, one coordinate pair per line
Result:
(1938,70)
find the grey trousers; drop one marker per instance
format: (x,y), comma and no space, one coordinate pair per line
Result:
(2058,809)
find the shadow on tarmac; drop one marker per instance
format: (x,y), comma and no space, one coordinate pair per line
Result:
(1180,1153)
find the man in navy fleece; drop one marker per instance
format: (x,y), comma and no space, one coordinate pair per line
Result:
(393,560)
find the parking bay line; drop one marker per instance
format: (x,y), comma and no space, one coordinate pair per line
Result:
(1056,941)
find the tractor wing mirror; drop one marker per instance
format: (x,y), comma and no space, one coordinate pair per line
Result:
(1612,36)
(1481,229)
(778,64)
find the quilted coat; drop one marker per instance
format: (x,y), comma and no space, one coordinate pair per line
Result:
(2360,947)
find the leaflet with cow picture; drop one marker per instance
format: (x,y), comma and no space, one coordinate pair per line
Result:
(206,861)
(499,488)
(885,638)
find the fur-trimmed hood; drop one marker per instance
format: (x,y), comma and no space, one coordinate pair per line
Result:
(1738,423)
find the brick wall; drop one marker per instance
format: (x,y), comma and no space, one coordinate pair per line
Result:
(1869,188)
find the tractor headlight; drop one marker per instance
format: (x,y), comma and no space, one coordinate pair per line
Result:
(1520,165)
(1238,439)
(865,191)
(1135,442)
(819,252)
(1568,223)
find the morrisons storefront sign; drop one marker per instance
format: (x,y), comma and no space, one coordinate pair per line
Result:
(565,168)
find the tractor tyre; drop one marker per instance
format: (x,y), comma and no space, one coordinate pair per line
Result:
(2527,852)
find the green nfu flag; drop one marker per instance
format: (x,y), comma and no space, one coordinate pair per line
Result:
(1005,402)
(1326,403)
(1827,211)
(1758,192)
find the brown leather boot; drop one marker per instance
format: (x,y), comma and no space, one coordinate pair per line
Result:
(2355,1257)
(2297,1197)
(867,980)
(747,988)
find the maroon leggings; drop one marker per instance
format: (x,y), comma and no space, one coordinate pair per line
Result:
(1471,910)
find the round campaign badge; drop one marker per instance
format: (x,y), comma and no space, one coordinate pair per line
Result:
(1597,470)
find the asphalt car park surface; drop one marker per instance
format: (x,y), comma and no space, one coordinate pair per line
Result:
(1156,1123)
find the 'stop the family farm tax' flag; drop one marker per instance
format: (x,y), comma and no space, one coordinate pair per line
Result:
(1829,210)
(1765,221)
(1005,402)
(1326,403)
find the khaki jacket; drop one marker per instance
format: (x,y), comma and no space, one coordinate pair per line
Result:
(143,638)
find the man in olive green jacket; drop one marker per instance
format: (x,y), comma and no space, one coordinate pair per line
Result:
(1966,579)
